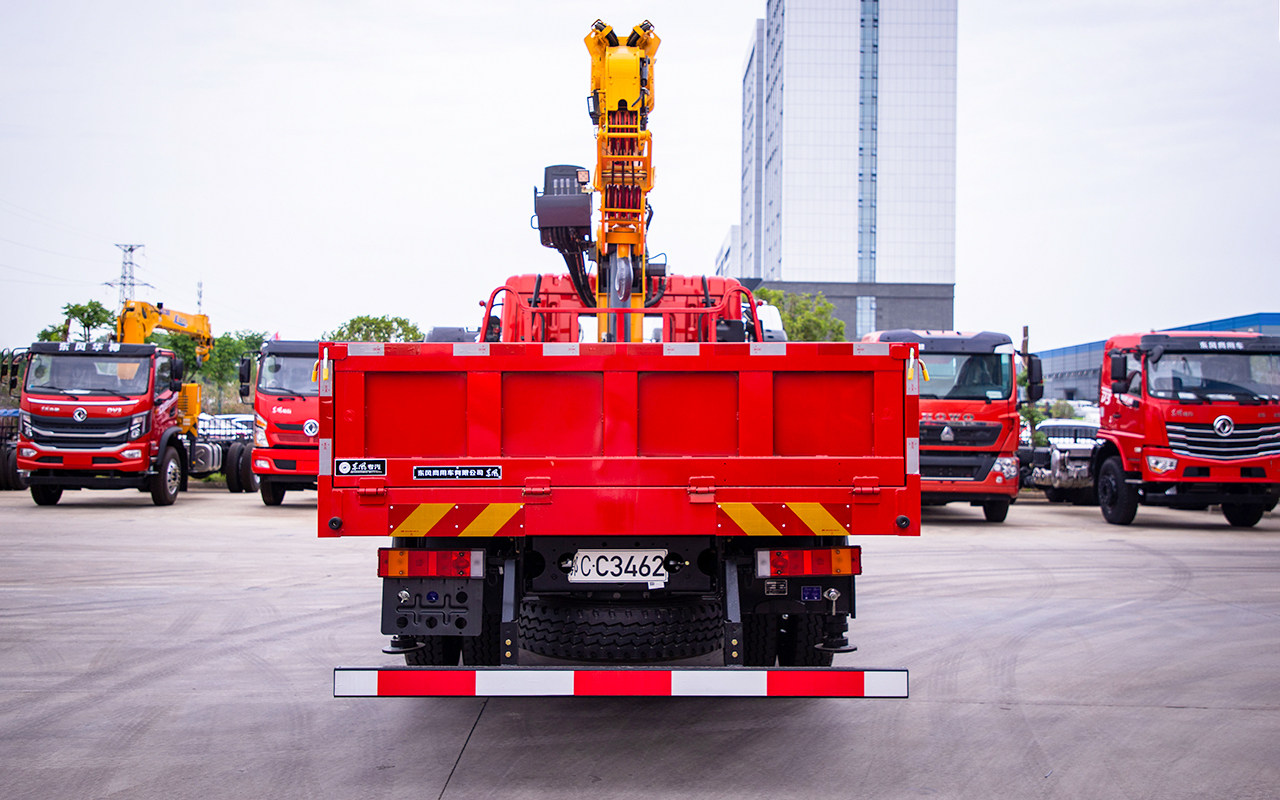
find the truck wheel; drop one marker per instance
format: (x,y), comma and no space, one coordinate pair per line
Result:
(1054,495)
(798,639)
(46,495)
(231,468)
(437,651)
(248,480)
(760,639)
(1241,515)
(484,650)
(563,628)
(165,483)
(6,482)
(16,481)
(272,493)
(1117,499)
(995,510)
(1084,497)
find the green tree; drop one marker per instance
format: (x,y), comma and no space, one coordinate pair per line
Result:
(220,372)
(376,329)
(805,317)
(89,317)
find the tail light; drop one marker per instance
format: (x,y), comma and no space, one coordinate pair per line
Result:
(825,561)
(395,563)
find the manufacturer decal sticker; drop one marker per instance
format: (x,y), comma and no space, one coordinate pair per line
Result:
(432,473)
(360,467)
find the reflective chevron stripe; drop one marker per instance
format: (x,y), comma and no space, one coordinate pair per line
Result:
(783,519)
(623,682)
(455,519)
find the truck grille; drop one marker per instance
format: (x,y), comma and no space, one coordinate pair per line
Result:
(1246,441)
(965,434)
(67,433)
(956,466)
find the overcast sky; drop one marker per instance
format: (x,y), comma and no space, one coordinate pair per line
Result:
(1118,161)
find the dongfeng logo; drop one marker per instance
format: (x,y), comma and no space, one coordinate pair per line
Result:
(311,427)
(344,467)
(1224,425)
(80,415)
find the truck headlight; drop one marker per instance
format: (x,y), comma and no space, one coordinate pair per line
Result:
(259,431)
(25,420)
(1161,464)
(139,424)
(1007,467)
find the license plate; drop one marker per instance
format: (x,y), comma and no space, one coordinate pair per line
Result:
(619,566)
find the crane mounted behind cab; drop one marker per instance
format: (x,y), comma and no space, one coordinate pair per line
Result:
(625,487)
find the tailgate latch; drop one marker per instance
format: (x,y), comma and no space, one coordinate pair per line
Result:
(702,489)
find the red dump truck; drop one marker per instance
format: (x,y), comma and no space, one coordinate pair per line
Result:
(624,488)
(969,419)
(1189,420)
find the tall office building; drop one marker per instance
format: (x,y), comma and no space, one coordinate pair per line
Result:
(848,157)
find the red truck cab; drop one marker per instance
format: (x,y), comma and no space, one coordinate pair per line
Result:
(286,405)
(107,416)
(969,419)
(1190,419)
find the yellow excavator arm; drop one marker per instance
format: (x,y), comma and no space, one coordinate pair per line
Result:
(138,320)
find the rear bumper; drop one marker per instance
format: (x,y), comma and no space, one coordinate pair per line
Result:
(619,682)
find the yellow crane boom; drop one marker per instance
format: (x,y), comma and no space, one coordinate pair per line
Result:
(139,319)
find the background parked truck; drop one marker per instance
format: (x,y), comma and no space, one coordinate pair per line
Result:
(969,420)
(286,409)
(1189,420)
(115,415)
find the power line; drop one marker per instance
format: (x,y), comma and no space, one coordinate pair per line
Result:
(53,252)
(35,216)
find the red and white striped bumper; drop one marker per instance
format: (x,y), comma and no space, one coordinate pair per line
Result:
(625,682)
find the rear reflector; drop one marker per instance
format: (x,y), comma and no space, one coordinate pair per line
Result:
(826,561)
(396,563)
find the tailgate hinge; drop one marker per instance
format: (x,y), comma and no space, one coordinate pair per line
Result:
(372,491)
(536,490)
(865,490)
(702,489)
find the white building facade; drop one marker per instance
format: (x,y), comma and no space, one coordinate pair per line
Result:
(849,112)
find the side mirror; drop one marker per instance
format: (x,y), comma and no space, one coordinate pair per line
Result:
(1035,379)
(1119,367)
(246,369)
(1119,387)
(179,369)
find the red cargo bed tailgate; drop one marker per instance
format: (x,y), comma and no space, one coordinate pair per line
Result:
(513,439)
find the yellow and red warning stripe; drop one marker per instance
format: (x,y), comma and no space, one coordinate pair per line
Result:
(455,519)
(783,519)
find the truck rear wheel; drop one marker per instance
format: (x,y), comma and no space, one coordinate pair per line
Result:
(46,495)
(165,483)
(484,650)
(564,628)
(231,468)
(1241,515)
(760,639)
(1117,499)
(272,493)
(797,643)
(436,651)
(995,510)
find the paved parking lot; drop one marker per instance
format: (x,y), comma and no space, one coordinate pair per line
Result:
(186,652)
